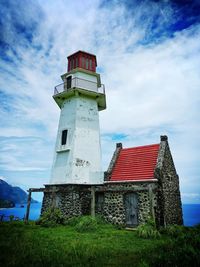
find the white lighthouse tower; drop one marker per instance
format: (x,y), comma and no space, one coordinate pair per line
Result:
(77,156)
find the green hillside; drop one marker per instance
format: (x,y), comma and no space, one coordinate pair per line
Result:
(35,246)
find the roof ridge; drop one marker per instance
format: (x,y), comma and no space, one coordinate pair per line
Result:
(135,147)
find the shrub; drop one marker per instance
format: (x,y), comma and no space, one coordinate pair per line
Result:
(148,230)
(100,220)
(73,221)
(174,230)
(52,217)
(86,224)
(181,250)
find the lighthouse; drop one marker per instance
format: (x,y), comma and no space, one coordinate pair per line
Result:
(140,183)
(80,97)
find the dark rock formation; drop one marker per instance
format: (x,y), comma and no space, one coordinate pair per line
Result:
(12,194)
(6,204)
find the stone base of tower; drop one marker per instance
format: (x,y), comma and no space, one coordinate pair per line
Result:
(71,199)
(111,201)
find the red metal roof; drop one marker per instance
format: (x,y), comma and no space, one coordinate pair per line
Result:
(137,163)
(82,59)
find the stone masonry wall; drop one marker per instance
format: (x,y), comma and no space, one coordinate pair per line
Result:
(72,200)
(113,208)
(169,200)
(75,200)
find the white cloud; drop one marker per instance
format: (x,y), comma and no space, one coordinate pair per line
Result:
(190,198)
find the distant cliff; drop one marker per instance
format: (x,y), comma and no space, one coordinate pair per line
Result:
(11,195)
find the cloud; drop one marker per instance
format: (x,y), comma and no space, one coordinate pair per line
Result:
(22,154)
(149,63)
(190,197)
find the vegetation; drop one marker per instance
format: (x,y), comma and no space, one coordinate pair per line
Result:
(51,218)
(90,242)
(148,230)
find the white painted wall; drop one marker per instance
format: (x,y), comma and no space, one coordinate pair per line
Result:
(84,80)
(79,161)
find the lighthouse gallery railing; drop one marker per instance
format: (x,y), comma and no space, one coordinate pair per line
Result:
(79,83)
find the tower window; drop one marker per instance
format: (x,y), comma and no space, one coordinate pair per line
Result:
(83,62)
(90,64)
(64,137)
(86,63)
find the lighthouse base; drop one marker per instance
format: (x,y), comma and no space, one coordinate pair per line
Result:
(71,199)
(128,204)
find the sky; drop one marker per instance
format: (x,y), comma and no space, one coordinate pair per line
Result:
(148,56)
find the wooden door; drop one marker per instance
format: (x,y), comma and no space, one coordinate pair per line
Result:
(131,208)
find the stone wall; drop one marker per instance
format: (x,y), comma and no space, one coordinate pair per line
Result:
(113,161)
(72,200)
(75,200)
(169,210)
(113,208)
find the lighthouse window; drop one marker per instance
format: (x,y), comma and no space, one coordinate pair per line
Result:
(86,63)
(90,64)
(83,62)
(64,137)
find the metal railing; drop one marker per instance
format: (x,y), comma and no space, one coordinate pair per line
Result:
(79,83)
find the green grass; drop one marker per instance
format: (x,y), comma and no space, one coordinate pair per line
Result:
(33,245)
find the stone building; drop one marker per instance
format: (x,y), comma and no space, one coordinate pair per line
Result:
(140,182)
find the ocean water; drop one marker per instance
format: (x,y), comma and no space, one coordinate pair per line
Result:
(19,211)
(191,213)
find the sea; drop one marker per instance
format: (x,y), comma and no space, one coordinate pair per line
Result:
(191,213)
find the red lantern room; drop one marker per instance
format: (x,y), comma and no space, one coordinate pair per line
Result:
(82,60)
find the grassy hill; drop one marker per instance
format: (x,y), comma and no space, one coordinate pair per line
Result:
(34,245)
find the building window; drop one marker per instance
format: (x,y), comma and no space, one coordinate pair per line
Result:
(99,202)
(64,137)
